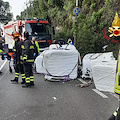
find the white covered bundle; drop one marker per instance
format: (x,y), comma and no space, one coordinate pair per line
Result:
(104,75)
(90,60)
(58,62)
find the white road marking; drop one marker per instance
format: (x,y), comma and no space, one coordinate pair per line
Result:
(3,64)
(100,93)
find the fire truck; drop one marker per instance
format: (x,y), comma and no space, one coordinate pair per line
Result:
(38,28)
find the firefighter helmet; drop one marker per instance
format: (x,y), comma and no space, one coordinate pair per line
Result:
(15,34)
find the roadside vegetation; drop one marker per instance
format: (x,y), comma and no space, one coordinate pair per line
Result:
(87,27)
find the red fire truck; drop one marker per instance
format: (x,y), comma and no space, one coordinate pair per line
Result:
(38,28)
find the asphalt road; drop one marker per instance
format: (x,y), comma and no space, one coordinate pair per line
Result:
(52,100)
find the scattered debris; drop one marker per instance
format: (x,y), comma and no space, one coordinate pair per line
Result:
(84,84)
(54,98)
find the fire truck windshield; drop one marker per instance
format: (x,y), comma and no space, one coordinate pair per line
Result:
(37,29)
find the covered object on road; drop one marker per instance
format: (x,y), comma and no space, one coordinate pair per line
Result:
(101,67)
(59,62)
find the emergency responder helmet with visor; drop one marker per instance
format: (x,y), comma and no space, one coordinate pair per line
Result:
(15,34)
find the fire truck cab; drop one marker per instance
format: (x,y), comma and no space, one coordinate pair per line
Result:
(38,28)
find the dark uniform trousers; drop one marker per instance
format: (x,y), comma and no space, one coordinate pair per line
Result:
(28,72)
(19,69)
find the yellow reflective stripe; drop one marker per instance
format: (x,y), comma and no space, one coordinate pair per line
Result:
(24,77)
(32,60)
(24,58)
(16,76)
(16,73)
(115,113)
(22,46)
(14,49)
(31,47)
(22,74)
(117,87)
(31,77)
(116,91)
(27,80)
(21,58)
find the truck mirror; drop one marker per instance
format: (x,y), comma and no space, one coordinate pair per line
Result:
(53,30)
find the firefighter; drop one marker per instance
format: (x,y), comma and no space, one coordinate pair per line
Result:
(17,61)
(36,47)
(116,114)
(1,47)
(28,60)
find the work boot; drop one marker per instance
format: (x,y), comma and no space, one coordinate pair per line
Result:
(23,81)
(15,80)
(32,83)
(26,85)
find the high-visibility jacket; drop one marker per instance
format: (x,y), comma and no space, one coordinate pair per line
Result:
(0,51)
(117,79)
(37,45)
(27,51)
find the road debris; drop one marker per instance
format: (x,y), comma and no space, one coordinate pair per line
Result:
(84,84)
(54,98)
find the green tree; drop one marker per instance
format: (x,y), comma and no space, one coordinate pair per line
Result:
(5,14)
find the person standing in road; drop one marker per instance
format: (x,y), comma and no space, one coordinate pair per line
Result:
(28,60)
(1,47)
(18,62)
(36,47)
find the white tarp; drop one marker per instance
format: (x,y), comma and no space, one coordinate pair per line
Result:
(89,60)
(102,68)
(58,62)
(104,75)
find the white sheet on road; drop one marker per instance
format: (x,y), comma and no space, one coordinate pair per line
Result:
(104,75)
(58,62)
(102,68)
(89,60)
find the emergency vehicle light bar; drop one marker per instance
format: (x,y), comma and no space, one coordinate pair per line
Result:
(34,19)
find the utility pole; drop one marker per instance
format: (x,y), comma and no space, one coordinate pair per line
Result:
(75,37)
(76,3)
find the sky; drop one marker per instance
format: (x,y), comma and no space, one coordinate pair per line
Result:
(17,6)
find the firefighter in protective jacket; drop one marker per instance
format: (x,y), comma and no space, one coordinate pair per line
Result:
(18,63)
(28,59)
